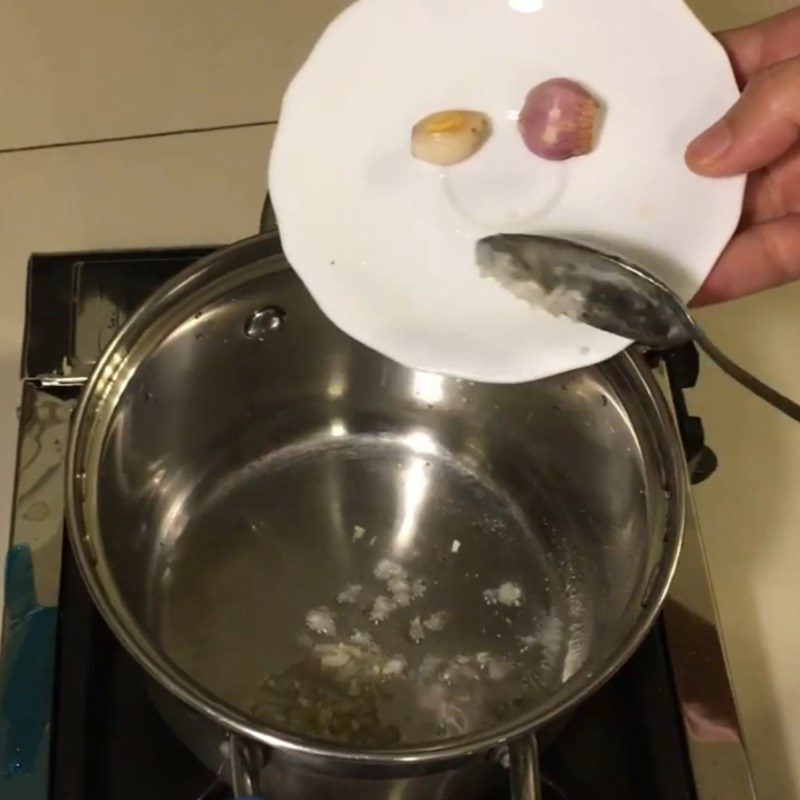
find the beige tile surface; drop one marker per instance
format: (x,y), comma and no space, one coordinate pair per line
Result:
(89,69)
(722,14)
(191,189)
(750,513)
(750,510)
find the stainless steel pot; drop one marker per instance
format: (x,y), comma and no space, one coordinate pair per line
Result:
(236,460)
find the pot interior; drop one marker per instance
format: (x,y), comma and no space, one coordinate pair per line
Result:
(250,472)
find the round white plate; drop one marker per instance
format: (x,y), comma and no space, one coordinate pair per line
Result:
(385,243)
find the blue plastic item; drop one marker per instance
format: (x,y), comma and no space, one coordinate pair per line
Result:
(26,689)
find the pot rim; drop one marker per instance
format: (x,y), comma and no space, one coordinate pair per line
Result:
(113,370)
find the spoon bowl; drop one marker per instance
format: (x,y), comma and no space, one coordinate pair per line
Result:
(607,292)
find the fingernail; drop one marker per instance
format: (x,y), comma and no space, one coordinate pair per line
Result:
(711,145)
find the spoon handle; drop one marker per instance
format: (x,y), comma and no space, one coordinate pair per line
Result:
(775,399)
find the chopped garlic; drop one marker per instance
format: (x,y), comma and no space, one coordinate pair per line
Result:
(334,660)
(358,532)
(381,609)
(350,594)
(498,669)
(456,546)
(416,630)
(394,666)
(435,622)
(400,589)
(320,620)
(387,569)
(361,638)
(508,594)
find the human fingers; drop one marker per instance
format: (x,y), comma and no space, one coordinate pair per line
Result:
(755,47)
(761,126)
(773,192)
(760,257)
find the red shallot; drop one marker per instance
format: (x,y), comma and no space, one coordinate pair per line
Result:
(559,120)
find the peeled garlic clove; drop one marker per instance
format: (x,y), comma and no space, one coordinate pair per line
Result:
(559,120)
(448,137)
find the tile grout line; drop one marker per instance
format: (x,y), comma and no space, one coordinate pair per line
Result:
(137,136)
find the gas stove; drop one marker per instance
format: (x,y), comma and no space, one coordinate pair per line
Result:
(76,719)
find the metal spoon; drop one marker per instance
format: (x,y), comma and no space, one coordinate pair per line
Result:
(606,292)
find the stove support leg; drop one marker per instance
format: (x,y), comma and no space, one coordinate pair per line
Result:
(525,778)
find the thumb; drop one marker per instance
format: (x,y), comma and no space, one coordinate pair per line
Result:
(760,128)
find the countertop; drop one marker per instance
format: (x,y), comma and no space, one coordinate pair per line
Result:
(148,123)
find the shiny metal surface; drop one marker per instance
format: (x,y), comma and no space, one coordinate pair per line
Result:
(216,482)
(245,767)
(282,775)
(524,766)
(608,293)
(77,303)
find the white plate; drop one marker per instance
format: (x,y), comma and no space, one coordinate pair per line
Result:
(385,243)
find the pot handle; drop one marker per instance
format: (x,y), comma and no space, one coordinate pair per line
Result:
(524,768)
(245,768)
(268,222)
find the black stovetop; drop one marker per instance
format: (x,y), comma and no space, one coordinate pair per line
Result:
(108,740)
